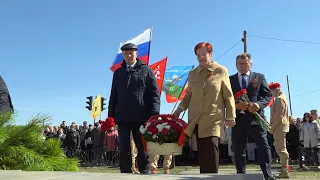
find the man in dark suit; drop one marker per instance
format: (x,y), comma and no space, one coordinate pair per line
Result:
(133,100)
(259,95)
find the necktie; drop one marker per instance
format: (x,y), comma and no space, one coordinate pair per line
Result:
(244,83)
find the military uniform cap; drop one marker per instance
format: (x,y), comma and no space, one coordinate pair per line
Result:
(274,85)
(313,111)
(129,46)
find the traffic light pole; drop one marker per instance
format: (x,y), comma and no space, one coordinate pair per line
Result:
(90,105)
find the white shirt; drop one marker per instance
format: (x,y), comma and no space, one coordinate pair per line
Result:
(246,78)
(132,65)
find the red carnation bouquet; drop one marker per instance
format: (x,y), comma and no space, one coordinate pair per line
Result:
(242,97)
(162,129)
(107,124)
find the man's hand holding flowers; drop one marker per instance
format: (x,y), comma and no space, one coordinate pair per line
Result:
(242,106)
(253,107)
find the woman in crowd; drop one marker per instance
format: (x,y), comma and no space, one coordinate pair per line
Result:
(293,142)
(209,93)
(309,136)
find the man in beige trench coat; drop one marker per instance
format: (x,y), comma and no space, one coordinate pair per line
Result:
(280,126)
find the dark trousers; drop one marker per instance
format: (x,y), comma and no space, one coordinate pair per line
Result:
(239,140)
(208,153)
(293,152)
(125,148)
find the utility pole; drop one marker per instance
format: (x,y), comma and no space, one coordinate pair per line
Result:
(244,40)
(288,86)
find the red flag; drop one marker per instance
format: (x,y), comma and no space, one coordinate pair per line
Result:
(159,69)
(172,99)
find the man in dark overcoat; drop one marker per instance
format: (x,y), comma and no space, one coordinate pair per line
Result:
(133,100)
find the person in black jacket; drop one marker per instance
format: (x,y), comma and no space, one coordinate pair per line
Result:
(293,142)
(133,100)
(5,98)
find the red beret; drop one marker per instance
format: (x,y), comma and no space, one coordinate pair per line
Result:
(274,85)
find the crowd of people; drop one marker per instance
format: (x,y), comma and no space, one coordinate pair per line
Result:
(90,143)
(88,139)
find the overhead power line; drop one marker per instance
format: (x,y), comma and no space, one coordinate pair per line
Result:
(311,92)
(287,40)
(229,49)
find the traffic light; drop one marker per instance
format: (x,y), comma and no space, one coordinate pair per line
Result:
(89,102)
(103,103)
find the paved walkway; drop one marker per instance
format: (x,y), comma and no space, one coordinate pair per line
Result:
(192,175)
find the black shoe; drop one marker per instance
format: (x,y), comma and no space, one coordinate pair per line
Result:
(144,172)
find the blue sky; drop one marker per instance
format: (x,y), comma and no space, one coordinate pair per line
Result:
(55,53)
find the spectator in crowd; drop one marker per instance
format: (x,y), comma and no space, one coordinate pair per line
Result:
(88,142)
(111,141)
(83,132)
(275,157)
(310,137)
(293,142)
(62,137)
(314,114)
(78,128)
(72,141)
(223,146)
(51,133)
(230,148)
(64,127)
(97,137)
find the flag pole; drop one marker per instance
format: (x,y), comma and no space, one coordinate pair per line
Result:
(178,97)
(100,106)
(151,28)
(183,114)
(163,75)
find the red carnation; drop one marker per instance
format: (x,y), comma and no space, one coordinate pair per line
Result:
(152,129)
(164,131)
(240,93)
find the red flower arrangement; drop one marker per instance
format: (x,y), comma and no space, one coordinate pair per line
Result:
(242,97)
(107,124)
(165,128)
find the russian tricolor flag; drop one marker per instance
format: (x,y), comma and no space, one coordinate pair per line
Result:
(143,42)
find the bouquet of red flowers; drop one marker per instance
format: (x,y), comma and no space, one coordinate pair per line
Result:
(242,97)
(107,124)
(165,128)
